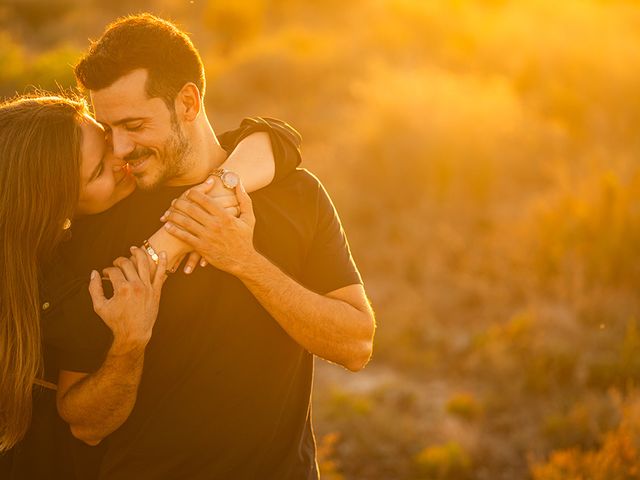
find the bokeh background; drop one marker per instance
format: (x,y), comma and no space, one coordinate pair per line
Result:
(484,156)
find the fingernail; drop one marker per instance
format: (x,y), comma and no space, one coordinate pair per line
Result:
(131,249)
(93,274)
(203,263)
(187,269)
(209,181)
(168,225)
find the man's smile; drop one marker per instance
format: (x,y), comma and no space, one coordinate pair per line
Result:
(137,165)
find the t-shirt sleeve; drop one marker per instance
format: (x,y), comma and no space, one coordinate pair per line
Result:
(285,142)
(329,264)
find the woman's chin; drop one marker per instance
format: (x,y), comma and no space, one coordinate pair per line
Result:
(127,186)
(124,188)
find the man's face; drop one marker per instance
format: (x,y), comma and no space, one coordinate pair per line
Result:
(144,132)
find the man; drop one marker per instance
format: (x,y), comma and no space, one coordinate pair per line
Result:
(225,388)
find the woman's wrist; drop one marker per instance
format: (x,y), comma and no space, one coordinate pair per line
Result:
(163,241)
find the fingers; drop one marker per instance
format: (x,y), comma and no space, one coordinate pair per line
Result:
(233,211)
(206,202)
(128,268)
(161,272)
(141,261)
(187,208)
(245,204)
(96,291)
(225,201)
(185,222)
(174,268)
(187,237)
(192,262)
(204,187)
(115,276)
(228,203)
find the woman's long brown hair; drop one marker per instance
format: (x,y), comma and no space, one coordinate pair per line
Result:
(39,187)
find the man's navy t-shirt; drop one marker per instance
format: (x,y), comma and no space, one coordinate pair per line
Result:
(225,392)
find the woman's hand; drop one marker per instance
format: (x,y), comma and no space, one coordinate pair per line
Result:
(132,310)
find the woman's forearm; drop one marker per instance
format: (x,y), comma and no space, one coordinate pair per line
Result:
(253,161)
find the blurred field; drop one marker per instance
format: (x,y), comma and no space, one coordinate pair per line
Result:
(484,156)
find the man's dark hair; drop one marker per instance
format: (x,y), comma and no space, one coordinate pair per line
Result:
(143,41)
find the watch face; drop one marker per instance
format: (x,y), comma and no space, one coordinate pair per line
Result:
(230,179)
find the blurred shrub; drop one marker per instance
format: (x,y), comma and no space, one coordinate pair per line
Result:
(50,70)
(12,59)
(618,458)
(325,457)
(37,13)
(233,23)
(618,366)
(345,404)
(412,125)
(526,355)
(388,432)
(53,68)
(464,405)
(583,424)
(443,462)
(588,233)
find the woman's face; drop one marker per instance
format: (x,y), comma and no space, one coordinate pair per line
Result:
(103,181)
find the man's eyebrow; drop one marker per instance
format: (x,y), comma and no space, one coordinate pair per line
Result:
(127,120)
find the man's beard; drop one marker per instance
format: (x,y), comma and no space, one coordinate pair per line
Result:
(173,159)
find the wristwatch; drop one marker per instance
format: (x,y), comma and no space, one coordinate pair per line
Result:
(229,179)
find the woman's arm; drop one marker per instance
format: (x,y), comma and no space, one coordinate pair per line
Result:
(263,150)
(254,162)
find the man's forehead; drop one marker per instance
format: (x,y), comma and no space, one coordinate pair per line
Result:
(123,97)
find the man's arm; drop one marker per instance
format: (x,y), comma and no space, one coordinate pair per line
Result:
(337,326)
(95,405)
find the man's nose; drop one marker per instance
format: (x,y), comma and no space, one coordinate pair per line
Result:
(122,144)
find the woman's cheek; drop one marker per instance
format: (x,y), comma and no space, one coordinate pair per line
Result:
(124,188)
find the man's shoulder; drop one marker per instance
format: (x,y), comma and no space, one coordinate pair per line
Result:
(300,179)
(298,190)
(295,198)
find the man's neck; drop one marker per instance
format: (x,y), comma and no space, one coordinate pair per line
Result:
(206,155)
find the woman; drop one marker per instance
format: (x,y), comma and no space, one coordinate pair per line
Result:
(55,166)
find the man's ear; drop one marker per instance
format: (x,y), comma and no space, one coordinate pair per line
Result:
(188,102)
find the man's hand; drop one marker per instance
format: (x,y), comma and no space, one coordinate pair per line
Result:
(337,326)
(224,241)
(132,310)
(162,240)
